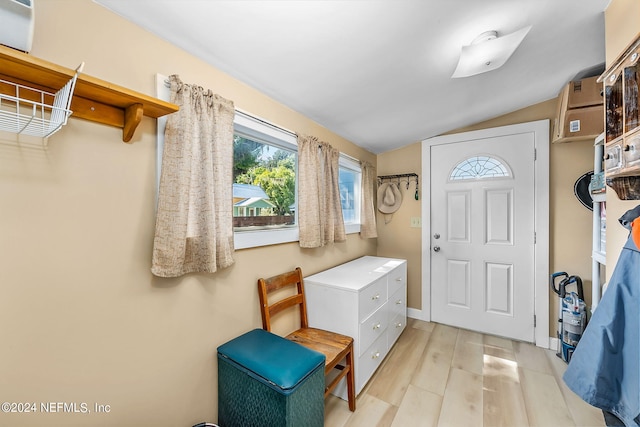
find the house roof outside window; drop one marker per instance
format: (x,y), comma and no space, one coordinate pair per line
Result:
(248,191)
(250,196)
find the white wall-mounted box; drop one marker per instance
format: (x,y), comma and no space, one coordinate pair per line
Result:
(16,30)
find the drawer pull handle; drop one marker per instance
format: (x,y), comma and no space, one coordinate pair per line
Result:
(375,355)
(398,325)
(376,326)
(399,279)
(399,301)
(375,297)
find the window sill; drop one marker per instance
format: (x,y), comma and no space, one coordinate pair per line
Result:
(258,238)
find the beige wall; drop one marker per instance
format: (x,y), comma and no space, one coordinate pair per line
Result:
(396,237)
(570,233)
(622,26)
(83,319)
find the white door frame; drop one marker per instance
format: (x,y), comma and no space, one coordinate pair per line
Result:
(540,130)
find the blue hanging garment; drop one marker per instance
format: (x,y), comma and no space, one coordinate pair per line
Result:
(605,368)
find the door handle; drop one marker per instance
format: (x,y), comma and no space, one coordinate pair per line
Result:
(436,248)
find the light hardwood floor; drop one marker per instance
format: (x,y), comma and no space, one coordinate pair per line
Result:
(437,375)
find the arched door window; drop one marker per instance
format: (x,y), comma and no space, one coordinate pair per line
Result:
(480,167)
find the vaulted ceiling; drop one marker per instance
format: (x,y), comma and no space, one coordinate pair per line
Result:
(378,72)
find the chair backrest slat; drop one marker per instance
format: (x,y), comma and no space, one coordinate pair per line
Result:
(275,283)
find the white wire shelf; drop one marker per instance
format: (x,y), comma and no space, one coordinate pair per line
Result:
(33,112)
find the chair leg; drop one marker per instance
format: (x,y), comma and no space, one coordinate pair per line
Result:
(351,382)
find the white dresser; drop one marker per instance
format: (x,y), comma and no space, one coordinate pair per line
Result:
(365,299)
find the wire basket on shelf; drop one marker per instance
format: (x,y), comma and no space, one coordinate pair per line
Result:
(34,112)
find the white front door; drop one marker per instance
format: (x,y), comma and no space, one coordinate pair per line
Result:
(482,235)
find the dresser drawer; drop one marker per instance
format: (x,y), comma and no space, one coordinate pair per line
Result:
(397,303)
(395,328)
(369,361)
(373,327)
(397,278)
(372,297)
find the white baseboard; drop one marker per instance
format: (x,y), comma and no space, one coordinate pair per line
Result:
(414,313)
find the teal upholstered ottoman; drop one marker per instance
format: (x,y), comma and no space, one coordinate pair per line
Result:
(266,380)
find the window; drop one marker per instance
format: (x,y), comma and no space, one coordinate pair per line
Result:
(480,167)
(275,143)
(350,182)
(265,185)
(264,190)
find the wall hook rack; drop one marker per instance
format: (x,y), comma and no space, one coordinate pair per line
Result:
(398,178)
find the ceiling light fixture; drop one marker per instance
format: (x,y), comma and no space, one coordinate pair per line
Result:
(488,52)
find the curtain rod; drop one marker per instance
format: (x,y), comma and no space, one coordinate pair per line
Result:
(167,84)
(280,128)
(265,122)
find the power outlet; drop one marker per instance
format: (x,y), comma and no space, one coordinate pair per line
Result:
(416,222)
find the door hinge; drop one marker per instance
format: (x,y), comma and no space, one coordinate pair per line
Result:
(534,321)
(535,238)
(535,154)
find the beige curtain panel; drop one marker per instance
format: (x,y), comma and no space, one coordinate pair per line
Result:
(194,224)
(368,227)
(319,209)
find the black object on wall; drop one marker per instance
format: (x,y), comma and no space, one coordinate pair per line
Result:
(582,192)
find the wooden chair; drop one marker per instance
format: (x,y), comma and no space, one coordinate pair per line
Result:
(335,347)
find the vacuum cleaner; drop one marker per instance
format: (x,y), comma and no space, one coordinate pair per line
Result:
(572,313)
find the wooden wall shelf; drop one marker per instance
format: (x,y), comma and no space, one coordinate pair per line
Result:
(93,99)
